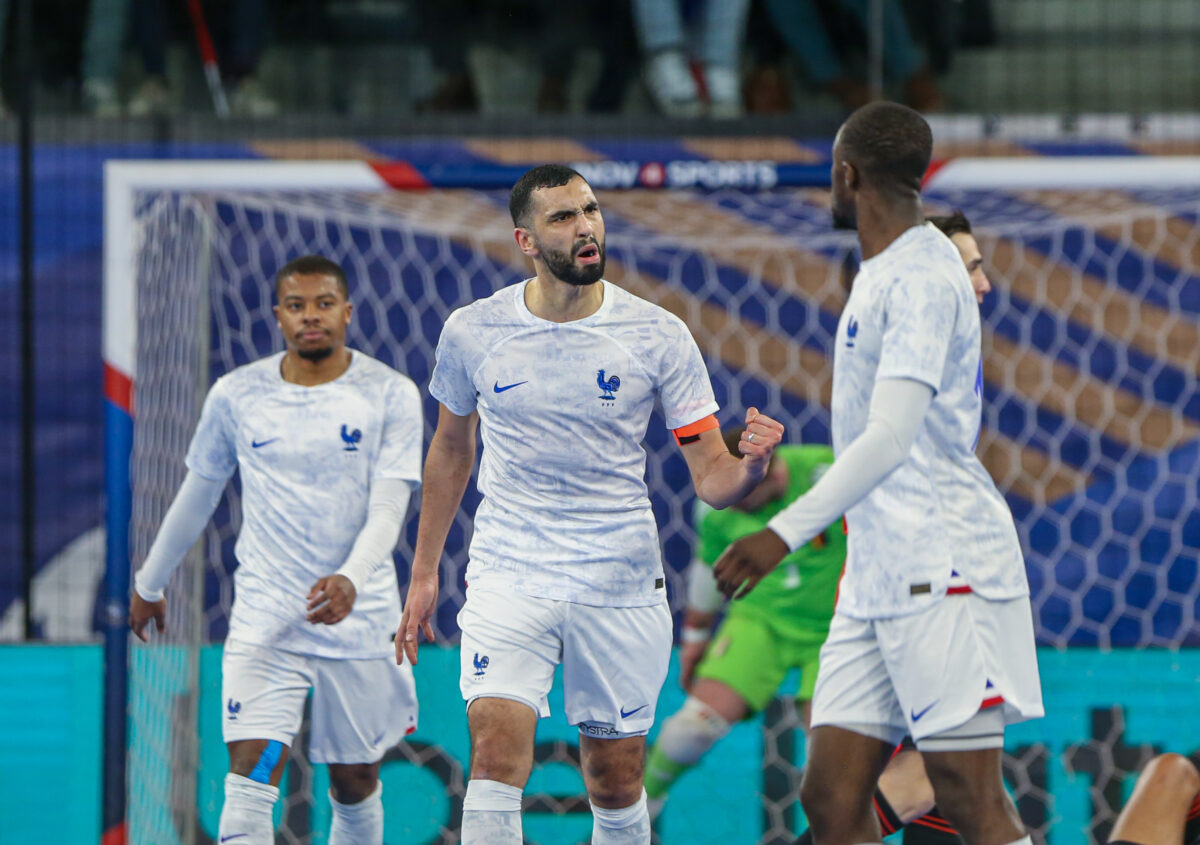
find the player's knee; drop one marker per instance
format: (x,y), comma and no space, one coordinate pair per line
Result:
(495,758)
(823,804)
(689,734)
(256,759)
(353,783)
(1171,774)
(614,780)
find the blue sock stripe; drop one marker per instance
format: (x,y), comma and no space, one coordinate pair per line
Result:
(266,762)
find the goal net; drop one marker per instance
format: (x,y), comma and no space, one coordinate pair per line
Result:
(1091,417)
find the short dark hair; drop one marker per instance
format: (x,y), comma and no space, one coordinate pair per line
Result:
(542,176)
(313,265)
(890,144)
(954,223)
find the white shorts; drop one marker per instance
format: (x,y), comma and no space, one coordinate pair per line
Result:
(360,708)
(930,672)
(614,659)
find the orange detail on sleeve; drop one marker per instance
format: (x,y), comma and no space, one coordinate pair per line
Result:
(691,432)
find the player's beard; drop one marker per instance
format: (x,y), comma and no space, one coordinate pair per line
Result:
(562,264)
(315,355)
(844,217)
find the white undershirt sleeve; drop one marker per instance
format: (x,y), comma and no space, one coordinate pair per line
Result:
(702,592)
(898,409)
(386,509)
(189,513)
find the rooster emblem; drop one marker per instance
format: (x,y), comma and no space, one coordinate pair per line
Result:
(351,438)
(609,386)
(481,663)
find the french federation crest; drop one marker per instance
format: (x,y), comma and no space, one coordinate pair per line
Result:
(481,664)
(608,385)
(351,438)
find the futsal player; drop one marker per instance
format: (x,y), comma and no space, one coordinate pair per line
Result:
(561,373)
(933,634)
(328,445)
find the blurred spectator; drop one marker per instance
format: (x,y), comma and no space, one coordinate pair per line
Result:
(805,30)
(240,33)
(676,90)
(562,30)
(103,45)
(448,44)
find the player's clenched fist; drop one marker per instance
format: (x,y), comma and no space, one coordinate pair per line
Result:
(747,561)
(760,438)
(330,600)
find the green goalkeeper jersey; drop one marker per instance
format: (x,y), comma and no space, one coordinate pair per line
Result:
(797,598)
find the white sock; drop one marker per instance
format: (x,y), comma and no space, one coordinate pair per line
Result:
(491,814)
(358,824)
(247,811)
(626,826)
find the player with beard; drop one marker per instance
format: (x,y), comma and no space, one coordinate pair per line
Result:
(932,634)
(561,373)
(328,445)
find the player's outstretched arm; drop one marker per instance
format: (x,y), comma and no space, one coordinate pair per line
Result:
(721,479)
(898,408)
(447,471)
(189,513)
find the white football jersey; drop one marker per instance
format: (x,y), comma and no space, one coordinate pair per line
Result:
(912,314)
(307,458)
(563,409)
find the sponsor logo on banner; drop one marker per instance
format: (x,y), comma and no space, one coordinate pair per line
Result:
(679,174)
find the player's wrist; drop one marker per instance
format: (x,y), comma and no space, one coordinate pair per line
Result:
(151,596)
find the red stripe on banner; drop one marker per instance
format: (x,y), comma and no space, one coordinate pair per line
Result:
(115,835)
(958,591)
(934,166)
(991,702)
(118,388)
(400,174)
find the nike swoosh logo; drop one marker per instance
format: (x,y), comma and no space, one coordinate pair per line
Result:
(498,389)
(625,715)
(258,444)
(233,836)
(917,716)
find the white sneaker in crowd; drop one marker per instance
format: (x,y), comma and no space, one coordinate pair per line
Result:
(150,99)
(724,92)
(251,100)
(672,86)
(100,98)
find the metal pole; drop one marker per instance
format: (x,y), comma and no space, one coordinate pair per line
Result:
(875,49)
(25,308)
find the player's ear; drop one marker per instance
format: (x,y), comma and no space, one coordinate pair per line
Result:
(275,311)
(525,242)
(349,311)
(850,175)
